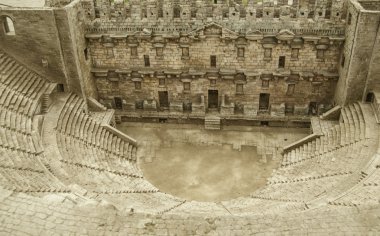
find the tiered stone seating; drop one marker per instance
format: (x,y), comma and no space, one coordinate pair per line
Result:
(21,152)
(366,191)
(199,208)
(153,203)
(23,214)
(94,157)
(334,159)
(21,89)
(352,129)
(245,206)
(110,195)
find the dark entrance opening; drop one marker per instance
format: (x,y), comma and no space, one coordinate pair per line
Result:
(164,99)
(264,101)
(146,61)
(118,103)
(162,120)
(281,62)
(60,88)
(313,108)
(370,97)
(213,61)
(213,99)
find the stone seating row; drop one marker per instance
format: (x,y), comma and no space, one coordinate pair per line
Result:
(351,129)
(106,182)
(91,154)
(253,205)
(21,178)
(152,203)
(18,78)
(90,162)
(88,155)
(320,126)
(302,191)
(16,122)
(77,124)
(12,157)
(366,192)
(17,141)
(340,160)
(23,214)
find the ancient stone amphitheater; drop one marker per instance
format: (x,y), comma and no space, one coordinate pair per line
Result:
(65,169)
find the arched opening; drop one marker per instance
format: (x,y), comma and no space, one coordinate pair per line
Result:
(8,26)
(176,12)
(370,97)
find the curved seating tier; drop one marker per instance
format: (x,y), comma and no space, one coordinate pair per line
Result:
(330,164)
(21,151)
(95,158)
(27,215)
(93,184)
(20,89)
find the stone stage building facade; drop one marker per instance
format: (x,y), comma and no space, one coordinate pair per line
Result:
(253,60)
(190,59)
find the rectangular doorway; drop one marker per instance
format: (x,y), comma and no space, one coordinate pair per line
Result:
(118,103)
(313,108)
(164,99)
(264,101)
(281,62)
(213,99)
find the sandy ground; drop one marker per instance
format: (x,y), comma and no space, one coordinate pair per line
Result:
(195,164)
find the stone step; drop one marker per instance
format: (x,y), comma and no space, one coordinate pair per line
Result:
(212,123)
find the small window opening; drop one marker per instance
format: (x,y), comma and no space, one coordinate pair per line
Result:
(349,19)
(85,51)
(137,85)
(161,82)
(118,103)
(290,89)
(295,52)
(370,97)
(146,61)
(320,54)
(240,52)
(134,51)
(186,86)
(265,84)
(213,61)
(185,52)
(239,88)
(9,26)
(281,62)
(60,88)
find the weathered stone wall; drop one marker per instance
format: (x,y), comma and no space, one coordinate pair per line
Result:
(356,57)
(179,38)
(226,52)
(51,42)
(36,39)
(248,100)
(373,79)
(77,65)
(241,60)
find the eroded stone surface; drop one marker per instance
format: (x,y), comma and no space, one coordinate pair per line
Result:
(65,170)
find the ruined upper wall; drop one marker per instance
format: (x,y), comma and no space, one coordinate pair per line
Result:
(22,3)
(49,41)
(169,16)
(360,56)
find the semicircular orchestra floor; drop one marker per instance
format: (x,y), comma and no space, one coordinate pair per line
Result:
(196,164)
